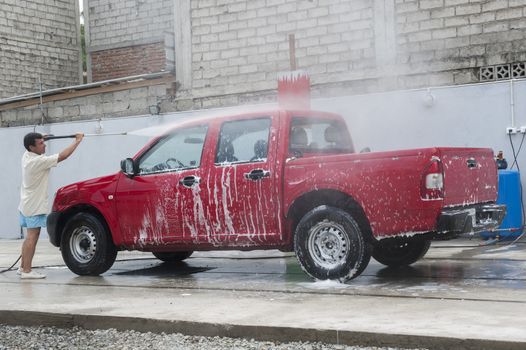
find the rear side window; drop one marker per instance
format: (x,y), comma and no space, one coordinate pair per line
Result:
(319,136)
(243,141)
(180,150)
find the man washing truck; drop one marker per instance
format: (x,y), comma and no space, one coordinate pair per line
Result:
(33,206)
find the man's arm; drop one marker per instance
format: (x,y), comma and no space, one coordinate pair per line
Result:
(66,152)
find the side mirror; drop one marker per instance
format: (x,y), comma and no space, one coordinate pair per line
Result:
(128,167)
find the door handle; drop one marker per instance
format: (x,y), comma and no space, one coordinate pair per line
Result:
(257,174)
(189,181)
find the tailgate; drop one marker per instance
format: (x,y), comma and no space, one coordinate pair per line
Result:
(470,175)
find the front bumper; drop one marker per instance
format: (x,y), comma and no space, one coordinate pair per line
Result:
(471,219)
(52,223)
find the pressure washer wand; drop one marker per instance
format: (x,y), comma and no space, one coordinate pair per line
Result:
(53,137)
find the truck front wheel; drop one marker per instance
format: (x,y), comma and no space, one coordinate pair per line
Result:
(330,245)
(86,245)
(400,252)
(172,256)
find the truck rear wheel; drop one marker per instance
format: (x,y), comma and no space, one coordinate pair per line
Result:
(330,245)
(172,256)
(86,245)
(400,252)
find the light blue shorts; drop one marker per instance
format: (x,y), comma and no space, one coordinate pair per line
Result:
(32,221)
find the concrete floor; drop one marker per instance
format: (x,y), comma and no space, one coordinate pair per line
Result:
(462,295)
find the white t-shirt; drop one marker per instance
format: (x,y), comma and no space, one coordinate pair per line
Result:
(33,191)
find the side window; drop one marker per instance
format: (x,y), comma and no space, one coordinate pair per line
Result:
(243,141)
(319,136)
(180,150)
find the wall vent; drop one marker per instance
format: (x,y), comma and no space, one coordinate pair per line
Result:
(487,73)
(503,71)
(518,70)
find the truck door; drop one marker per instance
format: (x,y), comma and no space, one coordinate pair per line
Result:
(162,203)
(244,196)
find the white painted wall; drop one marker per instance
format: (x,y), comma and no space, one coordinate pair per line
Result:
(471,115)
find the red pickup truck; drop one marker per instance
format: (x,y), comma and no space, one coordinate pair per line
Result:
(282,179)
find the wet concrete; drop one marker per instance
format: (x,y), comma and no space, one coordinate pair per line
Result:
(461,295)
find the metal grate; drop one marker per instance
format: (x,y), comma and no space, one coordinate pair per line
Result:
(503,71)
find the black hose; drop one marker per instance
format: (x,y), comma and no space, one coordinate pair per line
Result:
(10,267)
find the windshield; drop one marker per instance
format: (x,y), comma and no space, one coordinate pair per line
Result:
(179,150)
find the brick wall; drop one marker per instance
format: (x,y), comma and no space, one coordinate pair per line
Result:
(359,46)
(445,41)
(38,38)
(239,46)
(128,29)
(108,101)
(113,22)
(128,61)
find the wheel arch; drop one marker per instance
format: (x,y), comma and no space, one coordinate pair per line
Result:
(333,198)
(70,212)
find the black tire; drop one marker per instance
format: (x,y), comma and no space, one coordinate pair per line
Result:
(400,252)
(172,256)
(86,245)
(344,253)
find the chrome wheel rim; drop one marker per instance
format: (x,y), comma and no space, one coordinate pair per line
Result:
(83,244)
(328,244)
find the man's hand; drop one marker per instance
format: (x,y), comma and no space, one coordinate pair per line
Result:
(69,150)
